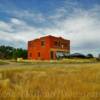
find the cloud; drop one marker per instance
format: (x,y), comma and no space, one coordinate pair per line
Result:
(17,30)
(26,14)
(10,8)
(4,26)
(81,26)
(16,21)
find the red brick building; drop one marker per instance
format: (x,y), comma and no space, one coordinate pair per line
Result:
(48,47)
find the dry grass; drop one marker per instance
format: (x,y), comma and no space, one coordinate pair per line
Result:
(3,62)
(56,82)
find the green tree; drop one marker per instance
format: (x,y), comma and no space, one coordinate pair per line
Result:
(8,52)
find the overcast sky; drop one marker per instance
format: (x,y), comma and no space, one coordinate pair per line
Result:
(77,20)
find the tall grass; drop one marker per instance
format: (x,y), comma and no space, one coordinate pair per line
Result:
(70,82)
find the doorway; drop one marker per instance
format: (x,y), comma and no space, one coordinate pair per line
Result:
(52,55)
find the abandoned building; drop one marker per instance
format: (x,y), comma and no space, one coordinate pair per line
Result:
(48,48)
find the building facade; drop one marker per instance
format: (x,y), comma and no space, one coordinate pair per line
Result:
(48,48)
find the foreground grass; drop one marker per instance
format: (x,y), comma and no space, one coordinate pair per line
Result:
(56,82)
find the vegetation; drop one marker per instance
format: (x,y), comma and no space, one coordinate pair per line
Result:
(8,52)
(3,62)
(50,81)
(79,55)
(61,61)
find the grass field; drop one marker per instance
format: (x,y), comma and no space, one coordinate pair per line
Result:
(50,81)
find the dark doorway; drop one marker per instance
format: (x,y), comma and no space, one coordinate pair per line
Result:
(52,54)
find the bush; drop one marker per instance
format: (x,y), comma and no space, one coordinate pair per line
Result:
(90,56)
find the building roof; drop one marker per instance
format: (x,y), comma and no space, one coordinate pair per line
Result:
(48,36)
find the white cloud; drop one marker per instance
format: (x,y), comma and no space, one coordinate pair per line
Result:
(17,30)
(4,26)
(27,15)
(82,27)
(16,21)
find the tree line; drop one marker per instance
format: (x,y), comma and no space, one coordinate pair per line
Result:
(8,52)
